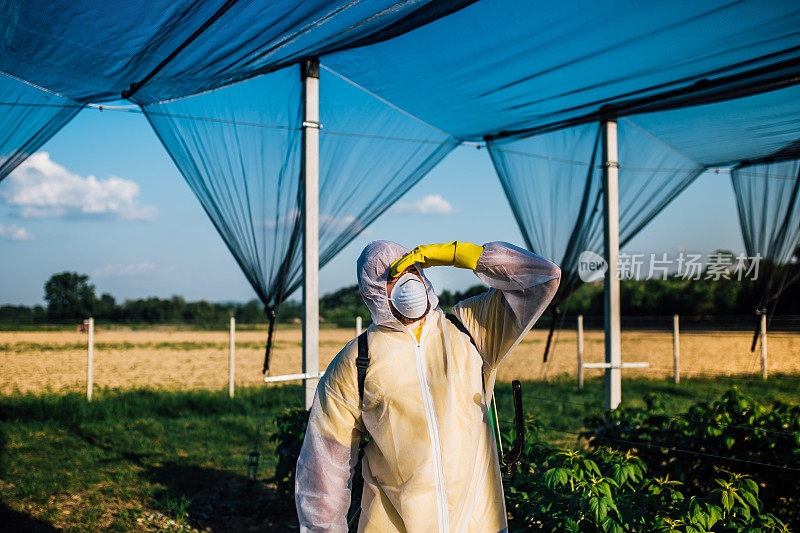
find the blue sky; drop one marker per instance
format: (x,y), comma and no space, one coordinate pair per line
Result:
(157,241)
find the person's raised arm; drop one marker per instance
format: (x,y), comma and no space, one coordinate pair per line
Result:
(522,285)
(329,453)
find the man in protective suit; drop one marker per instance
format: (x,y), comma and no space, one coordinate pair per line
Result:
(431,463)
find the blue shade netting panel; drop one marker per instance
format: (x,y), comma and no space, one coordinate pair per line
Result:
(726,133)
(89,52)
(371,154)
(553,183)
(651,175)
(509,65)
(768,204)
(239,149)
(29,116)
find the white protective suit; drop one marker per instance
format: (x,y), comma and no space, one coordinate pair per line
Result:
(431,463)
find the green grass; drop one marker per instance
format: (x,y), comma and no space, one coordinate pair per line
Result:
(175,461)
(138,459)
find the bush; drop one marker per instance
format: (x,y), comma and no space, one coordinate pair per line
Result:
(290,430)
(610,490)
(614,490)
(735,426)
(288,437)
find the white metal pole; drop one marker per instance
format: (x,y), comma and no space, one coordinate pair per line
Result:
(90,362)
(231,357)
(580,351)
(358,326)
(764,346)
(611,307)
(292,377)
(310,166)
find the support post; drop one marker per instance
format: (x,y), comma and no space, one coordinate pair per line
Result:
(764,346)
(611,304)
(358,326)
(310,179)
(90,360)
(676,350)
(231,357)
(580,351)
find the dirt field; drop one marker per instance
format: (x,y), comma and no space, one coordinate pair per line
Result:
(56,361)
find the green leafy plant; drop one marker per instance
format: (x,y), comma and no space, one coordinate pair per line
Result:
(734,426)
(290,430)
(611,491)
(605,489)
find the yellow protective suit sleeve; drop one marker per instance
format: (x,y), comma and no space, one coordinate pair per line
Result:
(328,456)
(522,285)
(457,254)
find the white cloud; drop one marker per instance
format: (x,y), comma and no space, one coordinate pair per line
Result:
(432,204)
(15,233)
(42,188)
(124,270)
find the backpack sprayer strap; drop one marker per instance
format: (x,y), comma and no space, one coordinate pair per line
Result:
(362,360)
(461,327)
(362,363)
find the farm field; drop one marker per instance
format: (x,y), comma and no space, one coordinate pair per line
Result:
(144,460)
(172,359)
(162,447)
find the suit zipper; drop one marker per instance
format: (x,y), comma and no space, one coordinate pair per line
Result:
(436,445)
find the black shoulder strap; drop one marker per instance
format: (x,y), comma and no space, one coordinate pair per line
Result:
(461,327)
(362,362)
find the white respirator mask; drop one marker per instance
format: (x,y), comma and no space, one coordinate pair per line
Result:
(410,296)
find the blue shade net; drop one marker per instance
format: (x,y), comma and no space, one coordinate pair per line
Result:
(509,65)
(239,150)
(554,183)
(524,66)
(757,135)
(726,133)
(29,116)
(153,51)
(768,202)
(495,70)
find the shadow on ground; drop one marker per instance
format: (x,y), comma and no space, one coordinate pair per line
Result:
(14,521)
(219,500)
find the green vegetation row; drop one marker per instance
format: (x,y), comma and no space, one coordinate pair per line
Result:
(149,460)
(641,470)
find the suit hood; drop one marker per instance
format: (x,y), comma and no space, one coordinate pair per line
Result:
(372,270)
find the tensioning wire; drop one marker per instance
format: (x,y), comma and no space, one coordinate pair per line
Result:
(715,425)
(668,448)
(454,142)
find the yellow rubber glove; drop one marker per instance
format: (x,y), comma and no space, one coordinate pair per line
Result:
(457,254)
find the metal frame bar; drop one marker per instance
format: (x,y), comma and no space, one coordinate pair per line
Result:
(310,179)
(611,304)
(620,365)
(306,376)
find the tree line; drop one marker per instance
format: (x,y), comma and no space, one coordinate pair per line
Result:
(70,297)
